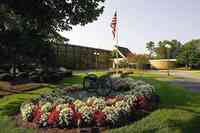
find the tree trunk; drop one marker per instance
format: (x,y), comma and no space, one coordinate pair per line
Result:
(186,66)
(14,64)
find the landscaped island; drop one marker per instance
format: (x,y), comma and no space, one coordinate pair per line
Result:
(67,108)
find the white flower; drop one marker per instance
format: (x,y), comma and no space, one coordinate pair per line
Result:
(46,107)
(65,116)
(78,103)
(26,110)
(97,103)
(86,114)
(112,114)
(61,106)
(123,106)
(44,119)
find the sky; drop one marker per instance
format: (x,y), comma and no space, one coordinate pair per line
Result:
(140,21)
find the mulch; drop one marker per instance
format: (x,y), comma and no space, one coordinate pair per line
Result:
(24,124)
(7,89)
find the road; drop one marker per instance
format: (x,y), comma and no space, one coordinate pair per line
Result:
(186,79)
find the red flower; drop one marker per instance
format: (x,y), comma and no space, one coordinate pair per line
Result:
(37,114)
(72,106)
(141,101)
(109,97)
(53,117)
(77,116)
(99,117)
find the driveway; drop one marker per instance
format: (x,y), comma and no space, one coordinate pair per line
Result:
(186,79)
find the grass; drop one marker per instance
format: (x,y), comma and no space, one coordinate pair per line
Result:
(195,72)
(78,77)
(10,105)
(8,126)
(178,111)
(158,75)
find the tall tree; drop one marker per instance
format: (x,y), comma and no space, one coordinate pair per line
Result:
(27,26)
(175,48)
(150,46)
(55,14)
(162,52)
(190,54)
(140,60)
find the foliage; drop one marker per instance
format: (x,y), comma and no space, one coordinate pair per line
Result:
(190,54)
(150,46)
(115,54)
(123,64)
(139,59)
(110,110)
(10,105)
(56,15)
(179,109)
(133,87)
(27,110)
(19,41)
(161,52)
(65,115)
(8,126)
(29,27)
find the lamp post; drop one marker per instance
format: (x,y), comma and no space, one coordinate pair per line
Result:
(96,55)
(168,56)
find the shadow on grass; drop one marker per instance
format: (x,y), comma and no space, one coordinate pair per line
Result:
(75,79)
(178,98)
(191,126)
(173,95)
(11,108)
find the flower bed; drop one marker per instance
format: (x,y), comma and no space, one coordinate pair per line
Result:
(59,110)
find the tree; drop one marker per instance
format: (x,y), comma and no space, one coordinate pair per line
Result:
(189,54)
(150,46)
(54,14)
(140,60)
(161,50)
(163,53)
(175,48)
(28,27)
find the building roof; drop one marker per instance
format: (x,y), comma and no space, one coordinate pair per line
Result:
(74,45)
(124,51)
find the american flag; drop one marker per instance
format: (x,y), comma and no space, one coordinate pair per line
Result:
(114,25)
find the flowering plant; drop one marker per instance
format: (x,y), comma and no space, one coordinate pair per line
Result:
(65,117)
(26,111)
(96,103)
(99,118)
(86,115)
(53,117)
(61,110)
(112,114)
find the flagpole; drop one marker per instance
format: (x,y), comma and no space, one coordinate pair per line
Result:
(114,27)
(117,41)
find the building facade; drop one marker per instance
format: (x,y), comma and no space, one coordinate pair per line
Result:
(82,58)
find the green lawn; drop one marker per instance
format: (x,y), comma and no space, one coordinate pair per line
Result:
(196,72)
(10,105)
(178,112)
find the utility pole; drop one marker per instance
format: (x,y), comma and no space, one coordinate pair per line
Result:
(168,56)
(96,55)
